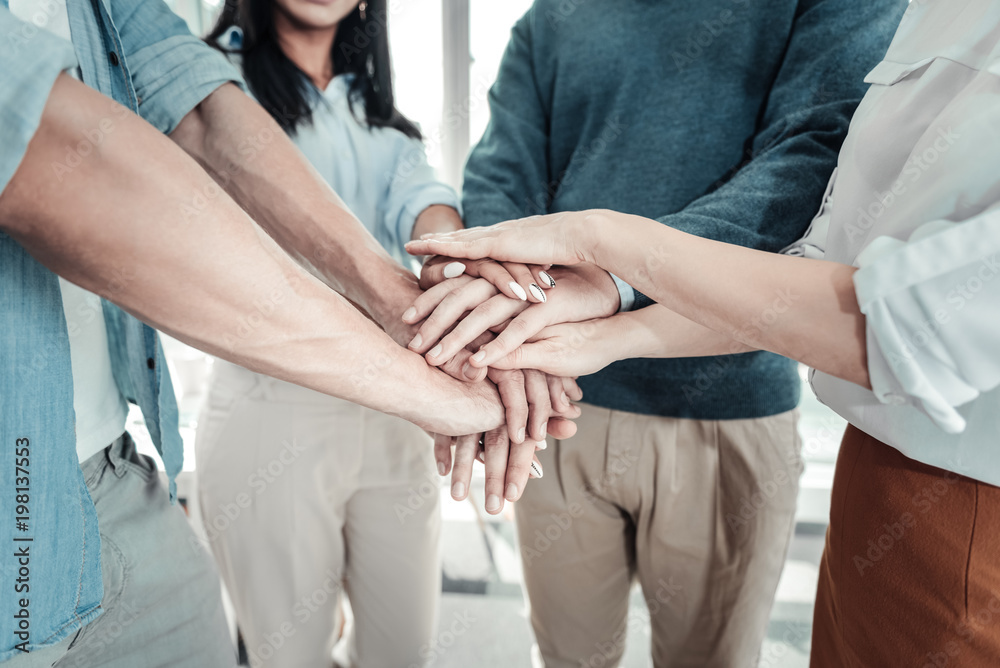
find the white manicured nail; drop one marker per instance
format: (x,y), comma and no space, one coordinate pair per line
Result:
(458,490)
(518,290)
(537,293)
(454,269)
(541,445)
(492,503)
(545,276)
(417,340)
(536,470)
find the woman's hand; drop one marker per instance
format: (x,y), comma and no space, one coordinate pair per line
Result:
(569,349)
(561,238)
(518,281)
(588,292)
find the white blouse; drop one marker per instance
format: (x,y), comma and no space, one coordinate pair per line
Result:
(915,205)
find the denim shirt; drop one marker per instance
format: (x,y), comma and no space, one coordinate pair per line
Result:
(143,56)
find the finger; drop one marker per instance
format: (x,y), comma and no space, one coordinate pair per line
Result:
(495,456)
(458,367)
(557,394)
(539,406)
(439,268)
(544,278)
(572,389)
(526,281)
(561,428)
(519,465)
(470,372)
(515,402)
(493,311)
(461,474)
(425,304)
(521,328)
(502,279)
(442,453)
(447,313)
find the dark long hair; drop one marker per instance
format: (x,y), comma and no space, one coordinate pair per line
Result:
(361,47)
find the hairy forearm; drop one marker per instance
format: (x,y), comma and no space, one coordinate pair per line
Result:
(247,153)
(115,225)
(803,309)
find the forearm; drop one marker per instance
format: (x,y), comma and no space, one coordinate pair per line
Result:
(247,153)
(658,332)
(436,218)
(800,308)
(114,225)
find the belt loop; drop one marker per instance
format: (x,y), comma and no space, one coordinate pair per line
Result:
(117,454)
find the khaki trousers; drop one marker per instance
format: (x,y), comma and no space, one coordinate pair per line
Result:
(911,571)
(305,496)
(700,512)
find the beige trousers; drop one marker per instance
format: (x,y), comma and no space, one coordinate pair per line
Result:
(304,495)
(700,512)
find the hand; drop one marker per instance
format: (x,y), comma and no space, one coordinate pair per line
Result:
(514,280)
(588,292)
(569,349)
(529,396)
(560,238)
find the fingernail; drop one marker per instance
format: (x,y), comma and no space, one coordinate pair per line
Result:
(458,490)
(536,470)
(537,293)
(417,340)
(511,493)
(545,428)
(435,351)
(545,276)
(540,445)
(469,371)
(454,269)
(492,503)
(441,468)
(520,436)
(409,314)
(479,357)
(480,457)
(565,398)
(519,291)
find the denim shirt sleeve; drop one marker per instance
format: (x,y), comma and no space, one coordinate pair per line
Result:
(30,61)
(412,188)
(171,69)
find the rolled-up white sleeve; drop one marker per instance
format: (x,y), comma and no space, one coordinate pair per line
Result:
(412,187)
(30,60)
(933,315)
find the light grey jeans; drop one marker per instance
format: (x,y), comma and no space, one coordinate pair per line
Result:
(162,601)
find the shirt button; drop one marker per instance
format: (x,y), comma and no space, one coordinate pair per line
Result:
(113,57)
(150,362)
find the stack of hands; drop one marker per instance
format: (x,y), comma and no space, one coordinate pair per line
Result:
(470,320)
